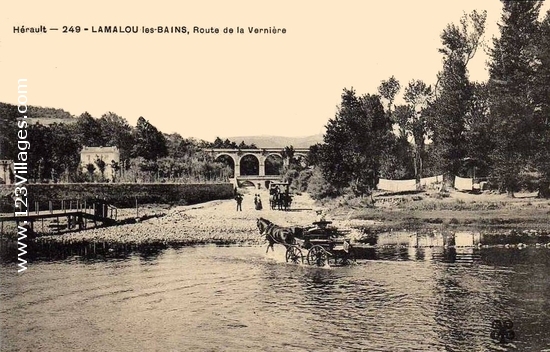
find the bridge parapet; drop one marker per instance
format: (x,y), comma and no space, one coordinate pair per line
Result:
(261,154)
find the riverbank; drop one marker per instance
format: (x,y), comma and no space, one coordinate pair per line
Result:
(456,211)
(218,221)
(210,222)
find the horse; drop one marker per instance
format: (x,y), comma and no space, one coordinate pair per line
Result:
(273,201)
(275,234)
(284,200)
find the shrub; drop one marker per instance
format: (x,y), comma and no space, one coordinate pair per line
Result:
(319,188)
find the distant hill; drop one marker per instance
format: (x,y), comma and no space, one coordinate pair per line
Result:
(278,141)
(44,116)
(48,116)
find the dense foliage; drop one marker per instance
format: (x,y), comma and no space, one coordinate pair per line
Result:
(146,154)
(500,128)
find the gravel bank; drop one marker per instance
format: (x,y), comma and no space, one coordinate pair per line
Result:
(210,222)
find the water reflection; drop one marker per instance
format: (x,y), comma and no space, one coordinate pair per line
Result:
(235,298)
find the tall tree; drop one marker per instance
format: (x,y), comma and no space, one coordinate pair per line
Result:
(454,91)
(64,153)
(396,160)
(512,71)
(412,119)
(542,90)
(479,130)
(389,90)
(354,142)
(40,158)
(179,147)
(150,143)
(117,132)
(88,131)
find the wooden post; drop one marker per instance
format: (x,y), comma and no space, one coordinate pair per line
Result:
(51,206)
(137,209)
(63,205)
(70,205)
(36,208)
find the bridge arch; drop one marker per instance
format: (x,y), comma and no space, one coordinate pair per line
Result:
(231,163)
(260,155)
(253,168)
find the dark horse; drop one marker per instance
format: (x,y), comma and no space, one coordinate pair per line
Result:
(280,201)
(275,234)
(273,201)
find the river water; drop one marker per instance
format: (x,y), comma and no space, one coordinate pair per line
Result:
(239,299)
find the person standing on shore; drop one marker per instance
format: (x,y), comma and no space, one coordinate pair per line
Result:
(256,200)
(258,203)
(239,199)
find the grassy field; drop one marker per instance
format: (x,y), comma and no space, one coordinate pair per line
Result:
(456,210)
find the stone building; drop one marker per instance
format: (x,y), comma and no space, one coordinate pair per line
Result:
(89,155)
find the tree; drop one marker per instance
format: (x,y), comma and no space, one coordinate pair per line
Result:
(288,154)
(354,142)
(389,90)
(412,120)
(542,111)
(101,165)
(453,92)
(149,142)
(117,132)
(314,154)
(40,135)
(179,147)
(395,162)
(479,129)
(218,143)
(115,169)
(88,131)
(512,70)
(64,153)
(91,169)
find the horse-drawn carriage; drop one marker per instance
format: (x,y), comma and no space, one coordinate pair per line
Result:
(322,244)
(279,196)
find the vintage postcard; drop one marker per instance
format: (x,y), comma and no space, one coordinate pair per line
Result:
(274,175)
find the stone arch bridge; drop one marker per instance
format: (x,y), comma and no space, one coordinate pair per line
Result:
(261,154)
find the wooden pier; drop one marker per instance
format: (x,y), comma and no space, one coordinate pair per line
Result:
(77,217)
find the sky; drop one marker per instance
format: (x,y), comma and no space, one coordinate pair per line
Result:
(209,85)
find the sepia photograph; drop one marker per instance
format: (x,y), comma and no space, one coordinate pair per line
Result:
(275,175)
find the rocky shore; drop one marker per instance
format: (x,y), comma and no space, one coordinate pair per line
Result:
(211,222)
(497,219)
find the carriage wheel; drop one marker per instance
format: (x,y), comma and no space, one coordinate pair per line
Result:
(317,255)
(294,255)
(346,258)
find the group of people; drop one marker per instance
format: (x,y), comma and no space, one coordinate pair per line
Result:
(257,202)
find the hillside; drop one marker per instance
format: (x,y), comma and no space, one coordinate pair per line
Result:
(44,116)
(278,141)
(47,116)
